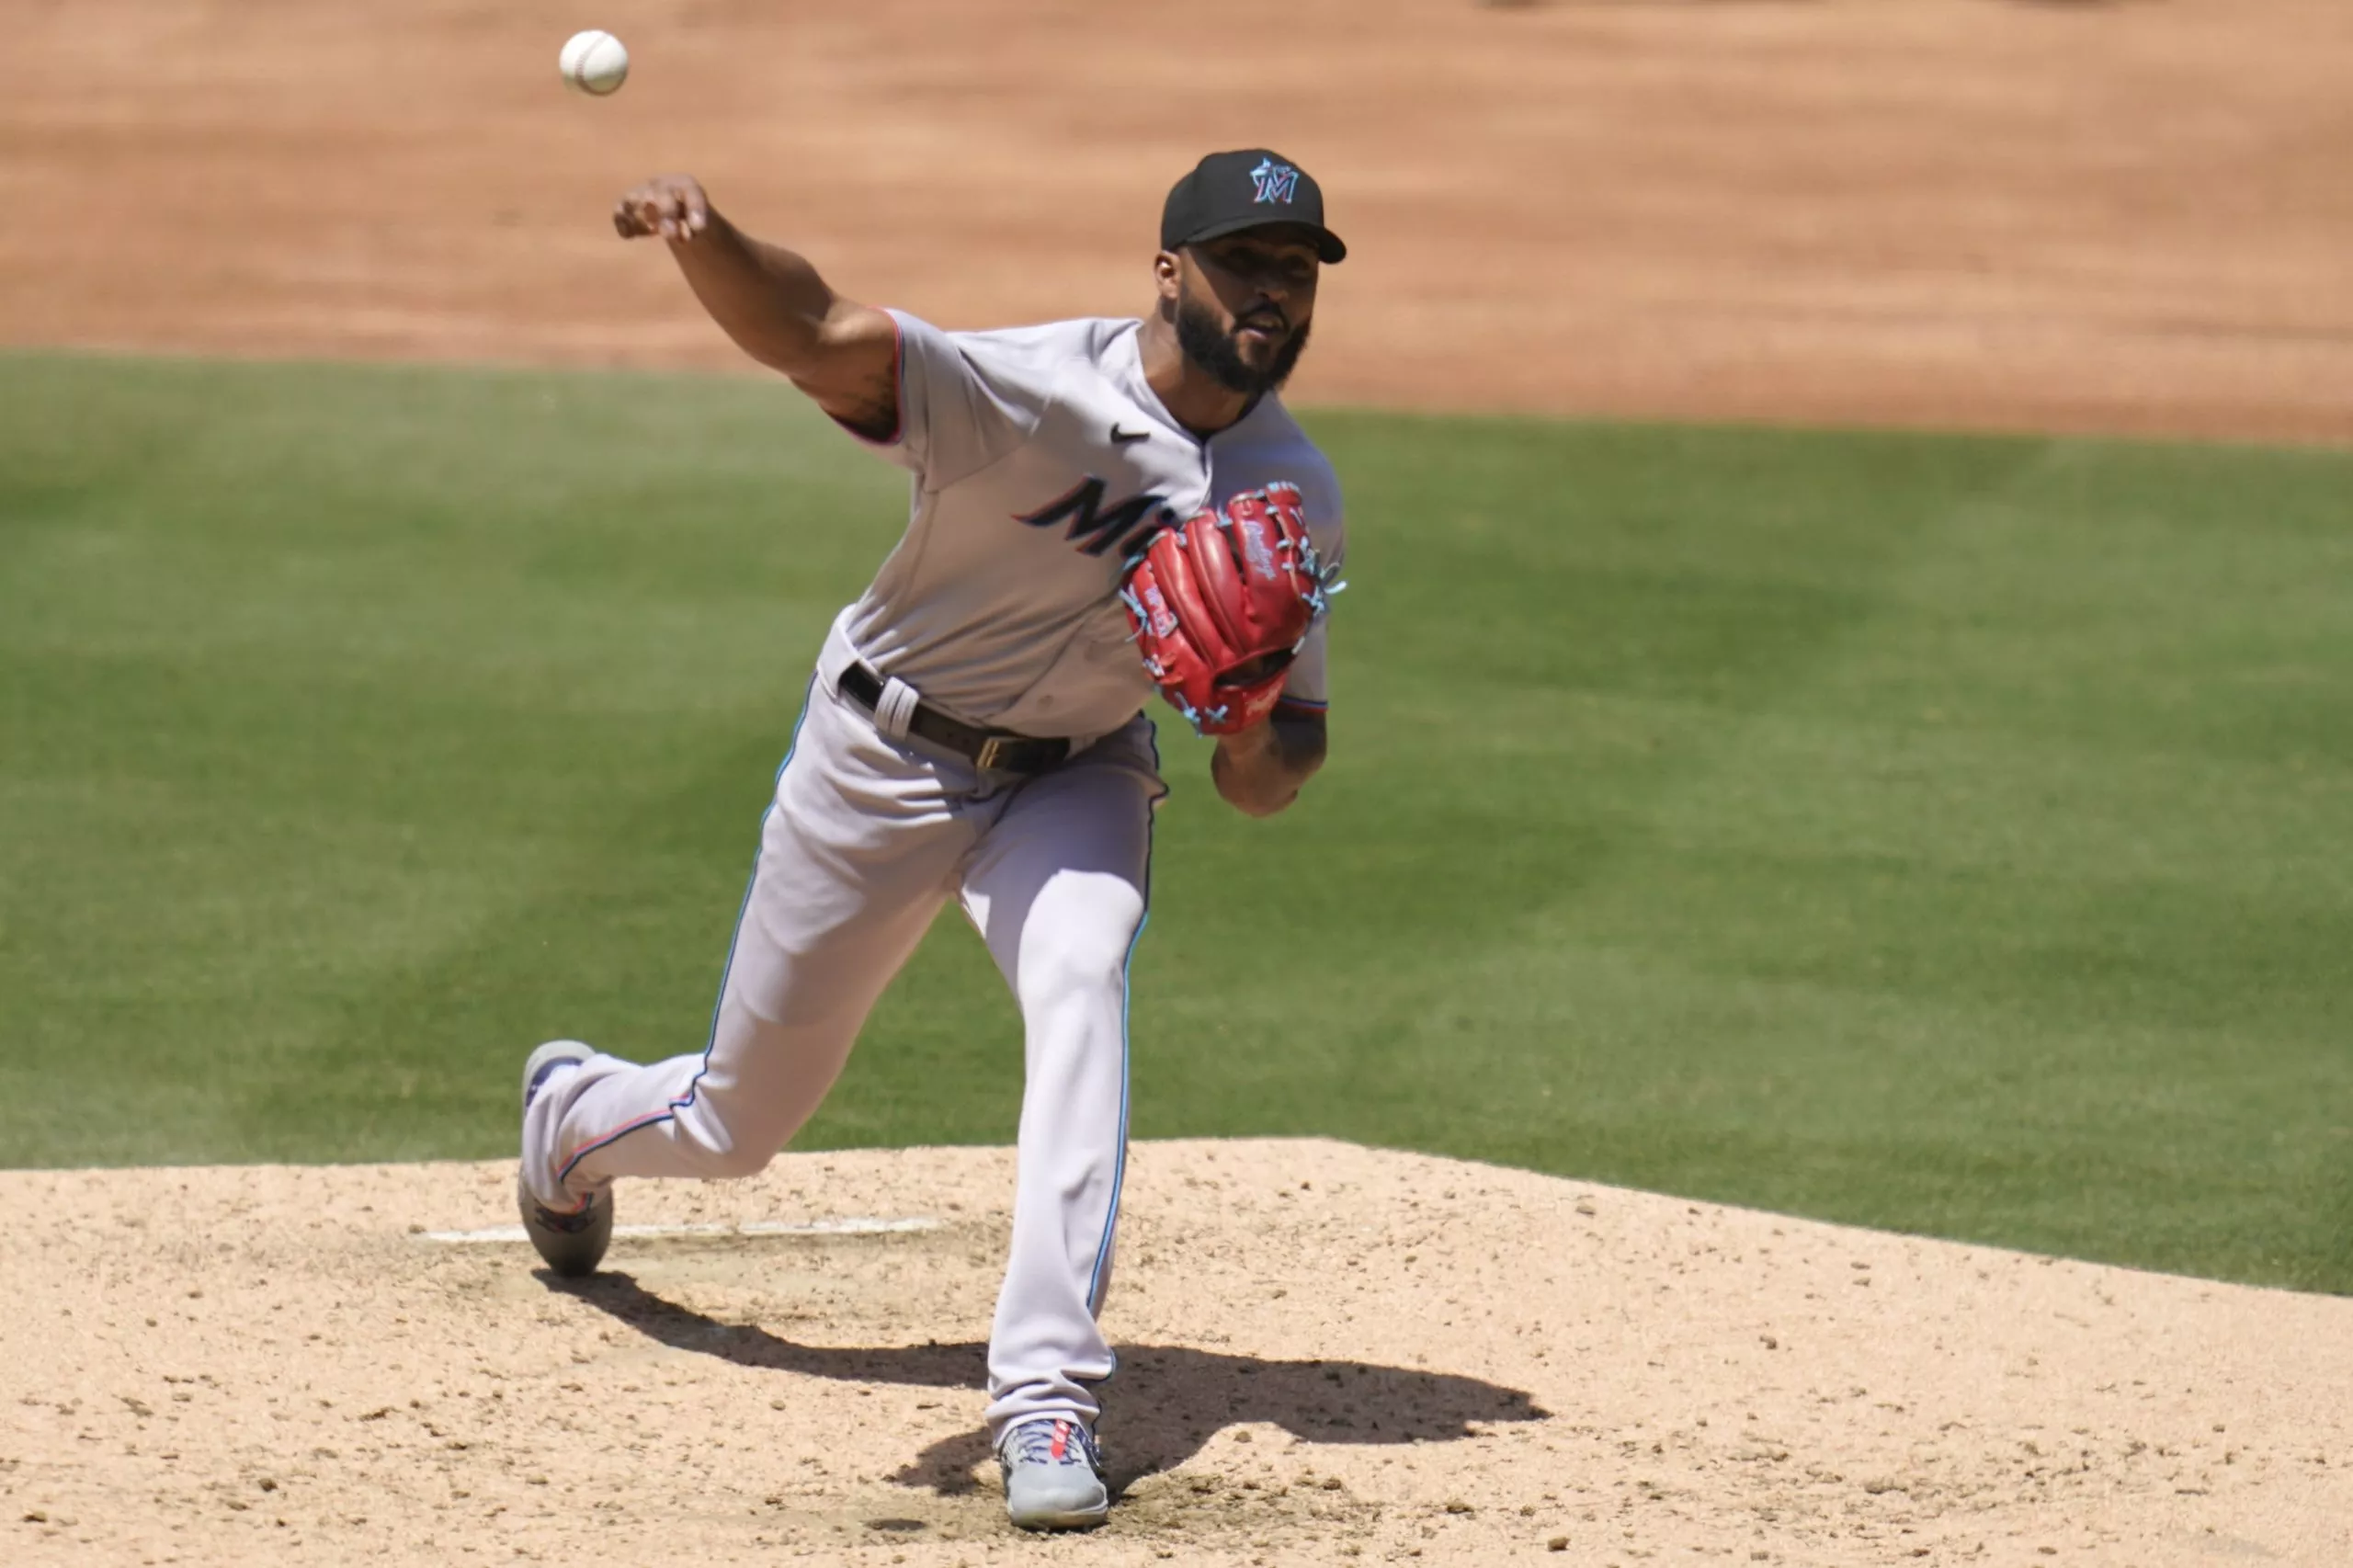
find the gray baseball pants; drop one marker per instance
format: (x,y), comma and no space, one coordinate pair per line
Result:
(866,839)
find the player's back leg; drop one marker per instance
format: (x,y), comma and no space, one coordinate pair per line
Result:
(856,855)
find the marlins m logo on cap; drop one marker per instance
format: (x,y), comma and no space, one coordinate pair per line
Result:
(1275,182)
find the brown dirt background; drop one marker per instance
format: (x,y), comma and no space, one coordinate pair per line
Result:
(2131,216)
(1329,1353)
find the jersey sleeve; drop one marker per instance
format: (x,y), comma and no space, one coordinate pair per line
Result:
(961,406)
(1307,689)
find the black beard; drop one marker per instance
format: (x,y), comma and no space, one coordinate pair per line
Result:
(1204,345)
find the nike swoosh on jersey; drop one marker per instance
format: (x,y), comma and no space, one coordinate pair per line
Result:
(1127,438)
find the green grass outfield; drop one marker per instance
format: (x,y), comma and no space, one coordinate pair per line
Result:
(1947,835)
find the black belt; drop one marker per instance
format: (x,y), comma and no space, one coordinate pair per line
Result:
(998,749)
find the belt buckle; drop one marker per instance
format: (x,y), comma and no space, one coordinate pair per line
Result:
(991,749)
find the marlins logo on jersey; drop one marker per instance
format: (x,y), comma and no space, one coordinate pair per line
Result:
(1097,528)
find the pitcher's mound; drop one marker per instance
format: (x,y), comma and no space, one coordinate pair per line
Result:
(1327,1352)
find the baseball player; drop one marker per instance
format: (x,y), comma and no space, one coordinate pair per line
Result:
(973,730)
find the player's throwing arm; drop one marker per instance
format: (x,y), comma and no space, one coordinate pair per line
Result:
(771,301)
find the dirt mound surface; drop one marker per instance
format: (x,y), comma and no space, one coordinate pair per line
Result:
(1980,212)
(1327,1352)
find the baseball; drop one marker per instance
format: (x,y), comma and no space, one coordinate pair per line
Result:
(595,63)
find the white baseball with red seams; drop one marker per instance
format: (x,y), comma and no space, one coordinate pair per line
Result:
(595,63)
(1039,459)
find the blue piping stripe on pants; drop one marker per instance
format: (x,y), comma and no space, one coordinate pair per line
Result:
(1120,1171)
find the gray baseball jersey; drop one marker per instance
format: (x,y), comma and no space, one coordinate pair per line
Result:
(1039,459)
(1042,460)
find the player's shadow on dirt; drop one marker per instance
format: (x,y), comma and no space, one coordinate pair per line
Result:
(1170,1398)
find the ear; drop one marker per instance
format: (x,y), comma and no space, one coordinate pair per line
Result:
(1168,277)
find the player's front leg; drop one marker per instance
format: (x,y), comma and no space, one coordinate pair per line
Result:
(1058,889)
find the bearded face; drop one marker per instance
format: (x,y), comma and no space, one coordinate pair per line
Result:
(1253,356)
(1243,303)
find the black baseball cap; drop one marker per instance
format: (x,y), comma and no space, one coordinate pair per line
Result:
(1228,192)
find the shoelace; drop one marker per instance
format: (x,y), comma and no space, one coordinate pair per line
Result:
(1033,1443)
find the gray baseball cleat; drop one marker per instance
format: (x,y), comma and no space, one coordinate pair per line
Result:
(1053,1475)
(571,1244)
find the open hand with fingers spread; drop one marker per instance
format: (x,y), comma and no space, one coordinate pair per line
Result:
(672,205)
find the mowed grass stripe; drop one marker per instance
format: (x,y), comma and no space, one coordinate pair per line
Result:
(1949,835)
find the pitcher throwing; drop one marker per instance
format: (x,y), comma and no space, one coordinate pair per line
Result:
(1098,507)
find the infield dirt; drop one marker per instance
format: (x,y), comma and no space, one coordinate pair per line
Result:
(1328,1353)
(2086,216)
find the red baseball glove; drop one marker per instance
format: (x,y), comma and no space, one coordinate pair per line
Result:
(1220,605)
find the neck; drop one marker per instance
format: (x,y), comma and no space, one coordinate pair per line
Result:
(1196,399)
